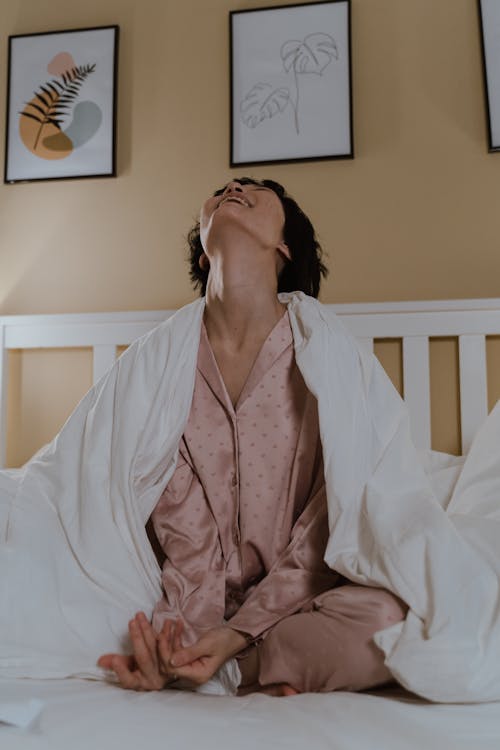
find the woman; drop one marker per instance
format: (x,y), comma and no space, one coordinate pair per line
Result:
(242,526)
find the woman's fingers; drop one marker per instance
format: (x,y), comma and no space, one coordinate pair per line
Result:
(183,656)
(165,646)
(165,649)
(141,670)
(166,630)
(178,628)
(128,679)
(146,663)
(148,633)
(198,671)
(150,663)
(106,661)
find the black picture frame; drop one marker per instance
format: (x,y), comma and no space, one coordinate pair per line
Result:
(288,101)
(61,105)
(489,25)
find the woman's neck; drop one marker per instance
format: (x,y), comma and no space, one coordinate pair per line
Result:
(242,305)
(241,317)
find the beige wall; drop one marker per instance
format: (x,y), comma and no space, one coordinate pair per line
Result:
(413,216)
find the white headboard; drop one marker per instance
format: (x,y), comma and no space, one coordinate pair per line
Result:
(413,322)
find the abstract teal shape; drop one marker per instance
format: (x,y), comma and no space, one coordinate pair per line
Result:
(87,118)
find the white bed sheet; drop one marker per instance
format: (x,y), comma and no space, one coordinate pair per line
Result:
(82,714)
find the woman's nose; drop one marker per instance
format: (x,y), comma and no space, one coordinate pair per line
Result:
(233,187)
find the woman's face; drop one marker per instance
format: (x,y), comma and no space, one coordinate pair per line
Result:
(252,209)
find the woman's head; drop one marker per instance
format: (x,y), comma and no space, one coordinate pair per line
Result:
(302,272)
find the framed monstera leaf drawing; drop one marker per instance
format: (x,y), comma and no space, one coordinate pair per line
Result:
(61,105)
(489,21)
(291,91)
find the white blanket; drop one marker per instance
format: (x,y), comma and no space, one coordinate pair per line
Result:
(75,562)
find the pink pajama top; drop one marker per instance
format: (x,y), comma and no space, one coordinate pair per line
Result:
(243,521)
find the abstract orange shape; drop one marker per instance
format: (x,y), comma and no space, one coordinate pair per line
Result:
(44,139)
(57,142)
(60,64)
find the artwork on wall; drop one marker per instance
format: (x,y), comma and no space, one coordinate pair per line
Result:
(291,91)
(61,105)
(489,16)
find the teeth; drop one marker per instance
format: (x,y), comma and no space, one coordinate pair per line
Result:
(235,198)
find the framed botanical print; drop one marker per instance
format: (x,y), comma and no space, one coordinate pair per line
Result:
(61,105)
(291,91)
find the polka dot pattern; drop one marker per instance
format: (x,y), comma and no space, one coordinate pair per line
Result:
(243,478)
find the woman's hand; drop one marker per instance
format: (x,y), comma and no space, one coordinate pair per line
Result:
(199,662)
(145,669)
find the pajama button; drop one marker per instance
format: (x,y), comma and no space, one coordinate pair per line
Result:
(234,480)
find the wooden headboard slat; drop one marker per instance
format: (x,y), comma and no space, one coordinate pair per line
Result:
(417,388)
(473,386)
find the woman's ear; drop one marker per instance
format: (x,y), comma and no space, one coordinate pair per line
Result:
(203,262)
(284,250)
(283,255)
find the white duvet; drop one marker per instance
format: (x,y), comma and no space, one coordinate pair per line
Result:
(75,562)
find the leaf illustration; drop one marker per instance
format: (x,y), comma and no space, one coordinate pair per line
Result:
(52,98)
(263,101)
(35,117)
(312,55)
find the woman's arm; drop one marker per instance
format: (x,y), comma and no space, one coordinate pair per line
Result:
(193,571)
(297,576)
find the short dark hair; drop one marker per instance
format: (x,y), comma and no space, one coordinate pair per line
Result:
(305,269)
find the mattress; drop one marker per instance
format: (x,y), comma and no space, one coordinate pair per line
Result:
(78,714)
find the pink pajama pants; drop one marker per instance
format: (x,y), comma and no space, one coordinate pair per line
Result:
(327,645)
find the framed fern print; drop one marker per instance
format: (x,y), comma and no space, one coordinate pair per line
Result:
(61,105)
(291,90)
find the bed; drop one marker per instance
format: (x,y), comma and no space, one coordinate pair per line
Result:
(80,713)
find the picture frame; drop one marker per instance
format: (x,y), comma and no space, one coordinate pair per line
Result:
(291,83)
(489,23)
(61,105)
